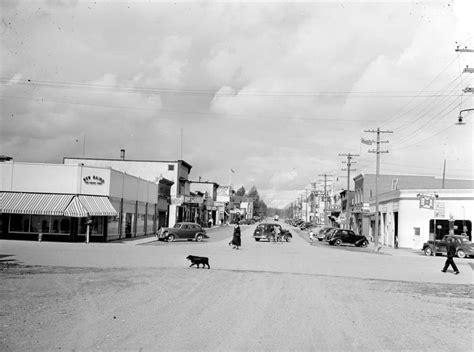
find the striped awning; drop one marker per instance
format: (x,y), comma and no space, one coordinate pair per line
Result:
(98,206)
(75,209)
(34,203)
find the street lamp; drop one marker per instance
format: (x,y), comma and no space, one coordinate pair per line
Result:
(460,122)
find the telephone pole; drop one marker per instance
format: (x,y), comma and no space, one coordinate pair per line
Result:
(377,171)
(325,196)
(348,163)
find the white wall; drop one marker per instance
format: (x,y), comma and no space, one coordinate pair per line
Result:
(71,179)
(458,203)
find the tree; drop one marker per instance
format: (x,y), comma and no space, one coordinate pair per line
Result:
(259,206)
(240,192)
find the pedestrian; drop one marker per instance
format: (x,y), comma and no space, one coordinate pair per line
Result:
(236,241)
(451,252)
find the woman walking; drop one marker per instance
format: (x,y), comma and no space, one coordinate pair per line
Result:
(236,242)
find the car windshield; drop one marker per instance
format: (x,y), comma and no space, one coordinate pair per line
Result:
(177,226)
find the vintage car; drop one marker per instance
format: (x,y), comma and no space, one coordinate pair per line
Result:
(464,247)
(321,234)
(343,236)
(264,232)
(182,230)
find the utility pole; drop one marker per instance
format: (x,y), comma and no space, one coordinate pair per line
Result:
(467,69)
(377,171)
(325,196)
(348,163)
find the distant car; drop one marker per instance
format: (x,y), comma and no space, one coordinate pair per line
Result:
(246,222)
(464,247)
(343,236)
(306,225)
(182,230)
(264,230)
(323,231)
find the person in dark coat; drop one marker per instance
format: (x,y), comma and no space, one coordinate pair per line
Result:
(451,251)
(236,242)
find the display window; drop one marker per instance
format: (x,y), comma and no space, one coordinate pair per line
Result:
(20,223)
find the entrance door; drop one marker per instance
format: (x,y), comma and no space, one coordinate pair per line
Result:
(395,229)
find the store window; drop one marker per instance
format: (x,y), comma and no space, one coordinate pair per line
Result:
(141,225)
(60,224)
(40,223)
(96,228)
(112,227)
(20,223)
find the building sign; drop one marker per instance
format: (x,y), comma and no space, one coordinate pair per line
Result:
(177,200)
(93,180)
(426,202)
(197,200)
(394,184)
(440,211)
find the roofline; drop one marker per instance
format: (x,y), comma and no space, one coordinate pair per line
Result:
(134,160)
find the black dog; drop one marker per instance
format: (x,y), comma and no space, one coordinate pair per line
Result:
(195,260)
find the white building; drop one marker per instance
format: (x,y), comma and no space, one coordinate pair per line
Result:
(402,219)
(176,171)
(57,201)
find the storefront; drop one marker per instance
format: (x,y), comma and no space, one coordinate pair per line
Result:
(405,222)
(69,202)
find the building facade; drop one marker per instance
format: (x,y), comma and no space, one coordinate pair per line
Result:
(68,202)
(363,204)
(176,171)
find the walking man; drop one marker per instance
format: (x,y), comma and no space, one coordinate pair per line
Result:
(451,251)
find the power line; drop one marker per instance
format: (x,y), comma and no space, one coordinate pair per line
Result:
(215,92)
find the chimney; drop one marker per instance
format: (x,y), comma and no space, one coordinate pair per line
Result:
(122,154)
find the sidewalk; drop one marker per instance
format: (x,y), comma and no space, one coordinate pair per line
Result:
(394,251)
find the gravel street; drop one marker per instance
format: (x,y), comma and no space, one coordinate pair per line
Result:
(266,296)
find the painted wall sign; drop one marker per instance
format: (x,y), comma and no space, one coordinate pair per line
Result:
(93,180)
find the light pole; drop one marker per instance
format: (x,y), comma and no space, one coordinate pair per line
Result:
(460,122)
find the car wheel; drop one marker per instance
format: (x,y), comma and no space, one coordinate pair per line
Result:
(461,253)
(287,238)
(257,239)
(337,242)
(199,238)
(170,238)
(428,251)
(364,244)
(320,239)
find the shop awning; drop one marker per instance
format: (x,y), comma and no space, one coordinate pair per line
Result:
(34,203)
(98,206)
(75,209)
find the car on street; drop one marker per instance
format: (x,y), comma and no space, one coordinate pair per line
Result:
(323,231)
(246,222)
(306,225)
(263,232)
(182,231)
(464,247)
(344,236)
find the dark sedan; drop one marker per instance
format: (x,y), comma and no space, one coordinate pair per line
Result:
(343,236)
(264,232)
(464,247)
(182,230)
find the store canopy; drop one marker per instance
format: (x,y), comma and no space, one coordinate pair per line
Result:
(98,206)
(75,209)
(34,203)
(55,204)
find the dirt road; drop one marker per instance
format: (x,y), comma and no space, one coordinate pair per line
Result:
(263,297)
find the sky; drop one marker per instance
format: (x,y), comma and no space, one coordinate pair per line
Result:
(274,91)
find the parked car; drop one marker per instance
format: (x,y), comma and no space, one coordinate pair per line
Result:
(264,230)
(306,225)
(464,247)
(343,236)
(182,230)
(323,232)
(246,222)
